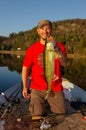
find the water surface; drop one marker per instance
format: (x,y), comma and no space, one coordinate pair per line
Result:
(11,66)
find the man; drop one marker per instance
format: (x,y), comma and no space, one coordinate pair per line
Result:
(38,86)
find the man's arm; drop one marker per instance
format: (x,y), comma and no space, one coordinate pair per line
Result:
(61,56)
(25,82)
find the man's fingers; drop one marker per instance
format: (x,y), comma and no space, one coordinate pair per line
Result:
(26,95)
(55,77)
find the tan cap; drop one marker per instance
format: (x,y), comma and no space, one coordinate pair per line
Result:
(44,22)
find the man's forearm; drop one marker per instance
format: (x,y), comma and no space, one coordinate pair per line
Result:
(25,76)
(62,59)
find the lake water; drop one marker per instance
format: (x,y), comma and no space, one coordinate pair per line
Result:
(8,78)
(10,71)
(11,66)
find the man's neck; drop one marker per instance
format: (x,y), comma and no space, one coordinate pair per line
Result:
(42,41)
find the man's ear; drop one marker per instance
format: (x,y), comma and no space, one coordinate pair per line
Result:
(38,30)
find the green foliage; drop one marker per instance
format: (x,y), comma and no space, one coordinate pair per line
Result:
(12,35)
(72,33)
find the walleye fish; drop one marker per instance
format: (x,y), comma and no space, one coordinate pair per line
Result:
(49,57)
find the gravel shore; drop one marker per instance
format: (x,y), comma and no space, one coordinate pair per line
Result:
(19,119)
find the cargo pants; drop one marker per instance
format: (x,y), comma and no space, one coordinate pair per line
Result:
(39,106)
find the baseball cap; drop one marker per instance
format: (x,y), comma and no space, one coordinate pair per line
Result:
(44,22)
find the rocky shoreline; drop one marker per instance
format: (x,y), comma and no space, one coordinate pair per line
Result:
(19,118)
(23,53)
(12,52)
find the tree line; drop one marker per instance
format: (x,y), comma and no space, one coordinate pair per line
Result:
(71,32)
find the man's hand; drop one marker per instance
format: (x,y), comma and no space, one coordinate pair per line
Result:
(55,77)
(25,93)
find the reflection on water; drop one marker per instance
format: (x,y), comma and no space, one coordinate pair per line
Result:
(11,73)
(10,70)
(8,78)
(76,71)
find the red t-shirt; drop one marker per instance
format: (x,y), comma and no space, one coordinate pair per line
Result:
(34,59)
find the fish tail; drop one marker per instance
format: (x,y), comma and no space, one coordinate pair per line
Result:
(47,94)
(48,91)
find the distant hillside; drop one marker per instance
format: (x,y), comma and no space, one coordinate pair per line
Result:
(71,32)
(2,39)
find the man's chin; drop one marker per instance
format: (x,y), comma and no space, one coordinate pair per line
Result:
(44,38)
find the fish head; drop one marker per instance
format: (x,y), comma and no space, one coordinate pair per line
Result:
(50,46)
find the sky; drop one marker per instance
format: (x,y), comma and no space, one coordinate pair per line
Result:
(23,15)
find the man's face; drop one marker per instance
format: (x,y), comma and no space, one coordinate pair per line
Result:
(44,31)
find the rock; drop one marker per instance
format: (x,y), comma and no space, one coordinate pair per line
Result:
(19,119)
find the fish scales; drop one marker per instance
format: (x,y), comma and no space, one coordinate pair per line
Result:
(49,57)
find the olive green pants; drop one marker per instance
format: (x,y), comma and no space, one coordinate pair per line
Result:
(39,106)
